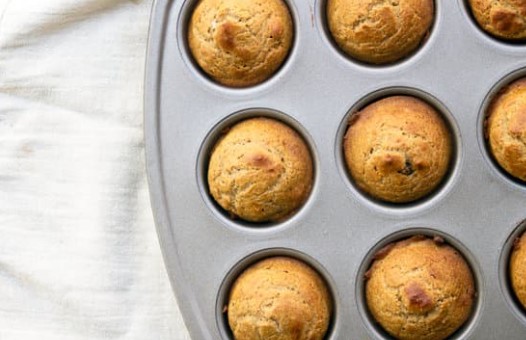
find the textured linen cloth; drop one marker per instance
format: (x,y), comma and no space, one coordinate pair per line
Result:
(79,256)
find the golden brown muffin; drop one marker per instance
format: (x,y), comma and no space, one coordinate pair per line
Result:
(379,32)
(517,269)
(505,19)
(260,170)
(506,129)
(240,43)
(279,298)
(397,149)
(420,288)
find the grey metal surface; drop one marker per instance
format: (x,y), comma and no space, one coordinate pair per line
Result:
(477,209)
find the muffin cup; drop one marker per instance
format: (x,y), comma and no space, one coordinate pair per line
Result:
(327,36)
(209,143)
(482,130)
(182,34)
(456,151)
(504,274)
(466,7)
(375,330)
(240,266)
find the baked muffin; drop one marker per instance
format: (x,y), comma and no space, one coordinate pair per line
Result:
(420,288)
(379,32)
(240,43)
(397,149)
(260,170)
(504,19)
(517,269)
(506,129)
(279,298)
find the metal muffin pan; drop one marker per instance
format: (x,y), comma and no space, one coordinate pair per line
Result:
(478,209)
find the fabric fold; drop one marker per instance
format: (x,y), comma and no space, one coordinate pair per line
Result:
(79,255)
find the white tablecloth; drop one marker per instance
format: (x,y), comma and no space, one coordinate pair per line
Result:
(79,256)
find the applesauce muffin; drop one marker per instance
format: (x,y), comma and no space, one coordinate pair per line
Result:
(420,288)
(506,129)
(260,170)
(279,298)
(240,43)
(504,19)
(397,149)
(379,32)
(517,269)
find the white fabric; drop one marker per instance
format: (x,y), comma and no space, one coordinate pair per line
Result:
(79,256)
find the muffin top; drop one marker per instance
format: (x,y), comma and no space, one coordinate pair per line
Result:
(240,43)
(279,298)
(504,19)
(397,149)
(517,269)
(420,288)
(260,170)
(379,32)
(506,129)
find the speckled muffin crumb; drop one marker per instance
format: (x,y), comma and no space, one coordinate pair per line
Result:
(240,43)
(517,269)
(379,32)
(420,288)
(279,298)
(506,129)
(504,19)
(397,149)
(260,170)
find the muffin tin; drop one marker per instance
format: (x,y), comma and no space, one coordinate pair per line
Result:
(478,209)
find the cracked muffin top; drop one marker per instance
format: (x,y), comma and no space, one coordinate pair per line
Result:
(260,170)
(379,32)
(517,269)
(506,129)
(397,149)
(420,288)
(240,43)
(279,298)
(504,19)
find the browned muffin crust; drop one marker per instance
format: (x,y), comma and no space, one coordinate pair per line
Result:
(397,149)
(420,288)
(506,129)
(504,19)
(517,269)
(240,42)
(260,170)
(379,32)
(279,298)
